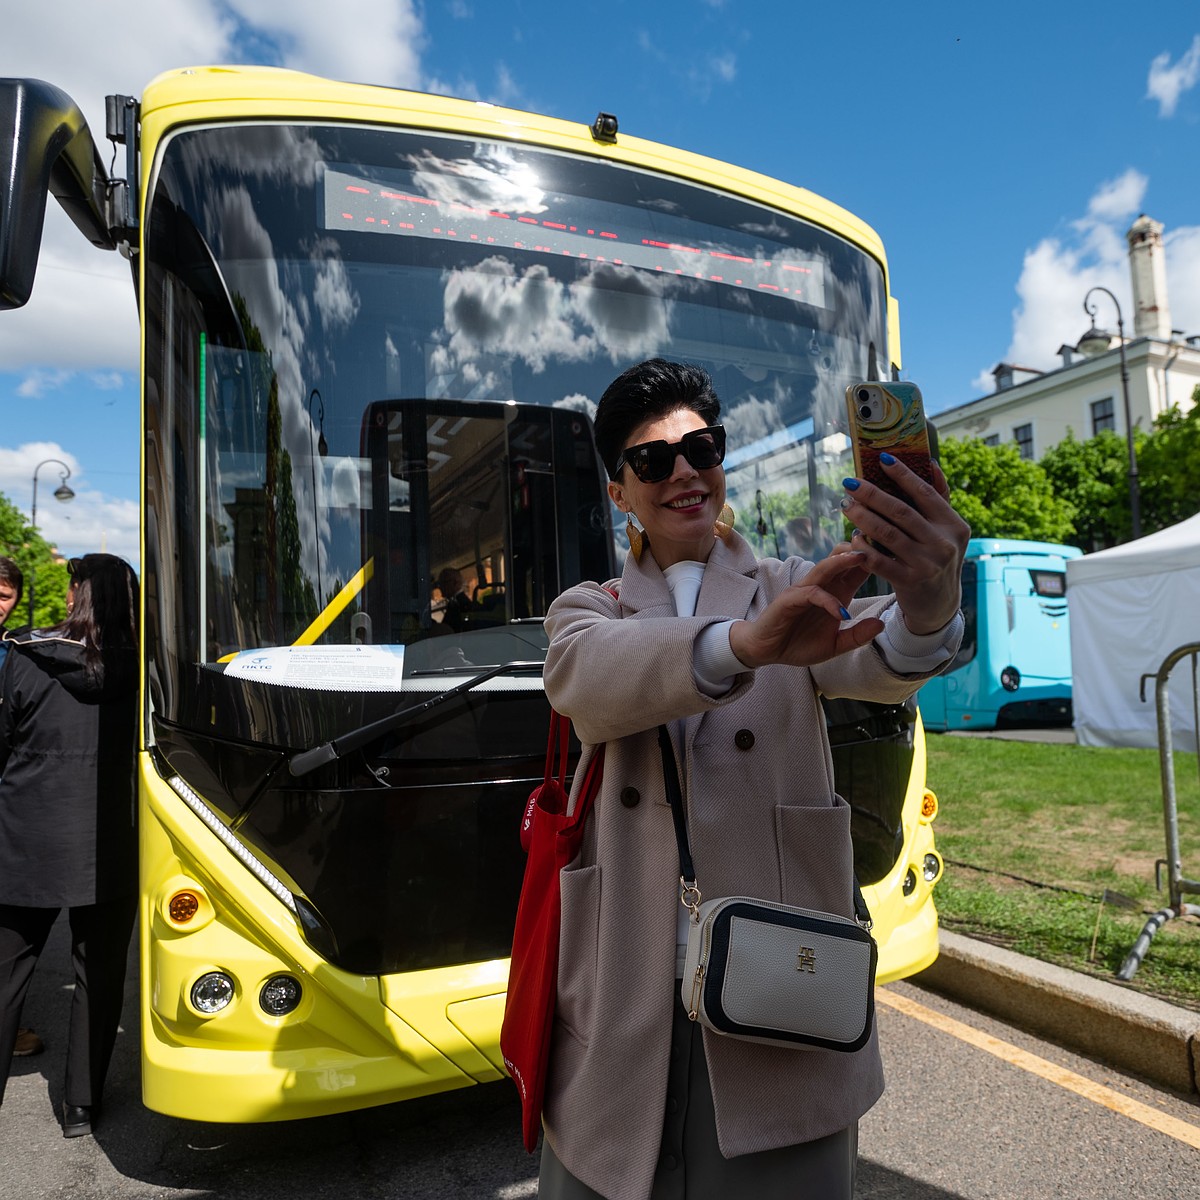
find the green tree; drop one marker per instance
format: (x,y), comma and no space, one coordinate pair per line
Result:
(1093,478)
(1000,494)
(39,562)
(1169,468)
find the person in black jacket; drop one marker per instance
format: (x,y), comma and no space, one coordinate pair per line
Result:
(12,583)
(68,825)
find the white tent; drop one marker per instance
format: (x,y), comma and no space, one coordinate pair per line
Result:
(1131,606)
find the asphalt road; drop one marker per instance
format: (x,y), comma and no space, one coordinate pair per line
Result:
(974,1109)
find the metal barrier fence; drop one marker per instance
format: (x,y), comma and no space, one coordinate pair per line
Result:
(1177,883)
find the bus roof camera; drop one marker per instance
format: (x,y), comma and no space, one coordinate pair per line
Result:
(604,128)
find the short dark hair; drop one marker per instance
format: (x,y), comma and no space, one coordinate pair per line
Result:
(11,574)
(651,389)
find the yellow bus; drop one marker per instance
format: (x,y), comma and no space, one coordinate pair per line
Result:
(374,328)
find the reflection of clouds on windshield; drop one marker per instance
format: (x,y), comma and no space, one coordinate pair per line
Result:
(660,204)
(345,486)
(759,229)
(529,315)
(276,299)
(335,297)
(753,418)
(493,179)
(282,152)
(578,402)
(250,267)
(627,310)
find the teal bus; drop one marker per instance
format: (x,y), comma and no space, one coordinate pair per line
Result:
(1014,666)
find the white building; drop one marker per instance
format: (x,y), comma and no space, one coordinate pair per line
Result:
(1035,409)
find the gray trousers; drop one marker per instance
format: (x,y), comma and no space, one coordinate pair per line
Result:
(690,1165)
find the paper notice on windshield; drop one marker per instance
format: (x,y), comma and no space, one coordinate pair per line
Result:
(323,668)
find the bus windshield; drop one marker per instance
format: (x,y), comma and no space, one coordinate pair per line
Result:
(370,359)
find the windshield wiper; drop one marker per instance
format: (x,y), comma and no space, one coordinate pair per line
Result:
(304,761)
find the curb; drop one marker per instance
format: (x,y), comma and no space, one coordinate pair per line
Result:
(1115,1025)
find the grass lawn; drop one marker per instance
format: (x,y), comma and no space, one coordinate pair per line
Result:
(1033,834)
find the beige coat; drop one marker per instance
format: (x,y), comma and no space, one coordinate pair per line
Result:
(763,820)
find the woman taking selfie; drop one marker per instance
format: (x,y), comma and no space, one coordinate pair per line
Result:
(68,831)
(731,655)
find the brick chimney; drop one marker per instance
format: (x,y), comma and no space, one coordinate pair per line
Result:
(1147,268)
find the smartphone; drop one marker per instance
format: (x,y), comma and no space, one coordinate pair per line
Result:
(888,417)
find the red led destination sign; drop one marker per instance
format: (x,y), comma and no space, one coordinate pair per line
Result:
(352,202)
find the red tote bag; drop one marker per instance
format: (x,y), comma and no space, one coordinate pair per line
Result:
(551,839)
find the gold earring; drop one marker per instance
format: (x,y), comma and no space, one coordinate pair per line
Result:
(637,538)
(724,523)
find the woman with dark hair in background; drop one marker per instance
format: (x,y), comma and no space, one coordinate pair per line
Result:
(68,829)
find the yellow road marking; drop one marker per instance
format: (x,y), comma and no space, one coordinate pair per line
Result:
(1096,1092)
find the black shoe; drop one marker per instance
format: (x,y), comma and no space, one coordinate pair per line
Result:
(77,1120)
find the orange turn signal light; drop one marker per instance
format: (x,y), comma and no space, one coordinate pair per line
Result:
(183,906)
(929,806)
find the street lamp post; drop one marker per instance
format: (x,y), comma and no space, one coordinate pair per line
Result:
(63,494)
(1094,342)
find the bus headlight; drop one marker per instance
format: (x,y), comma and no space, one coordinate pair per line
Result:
(212,992)
(1010,679)
(910,882)
(280,995)
(931,867)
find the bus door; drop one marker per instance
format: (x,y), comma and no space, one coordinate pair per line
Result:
(1036,607)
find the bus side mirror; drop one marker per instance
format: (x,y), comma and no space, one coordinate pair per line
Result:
(45,146)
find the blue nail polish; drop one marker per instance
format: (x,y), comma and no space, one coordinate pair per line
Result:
(887,459)
(845,613)
(852,484)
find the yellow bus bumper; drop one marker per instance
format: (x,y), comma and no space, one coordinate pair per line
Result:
(352,1042)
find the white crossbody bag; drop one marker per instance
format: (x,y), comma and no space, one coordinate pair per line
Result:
(769,972)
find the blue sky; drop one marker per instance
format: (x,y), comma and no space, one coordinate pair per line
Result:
(1000,151)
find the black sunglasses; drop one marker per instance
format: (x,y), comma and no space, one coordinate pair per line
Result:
(652,462)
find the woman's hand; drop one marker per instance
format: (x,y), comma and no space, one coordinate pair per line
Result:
(924,542)
(806,623)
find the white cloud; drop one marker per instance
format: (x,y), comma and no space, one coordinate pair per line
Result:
(90,521)
(1182,248)
(725,67)
(37,383)
(82,311)
(1058,272)
(18,463)
(82,315)
(1167,82)
(362,41)
(1118,198)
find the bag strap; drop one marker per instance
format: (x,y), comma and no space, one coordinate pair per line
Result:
(560,737)
(560,734)
(689,893)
